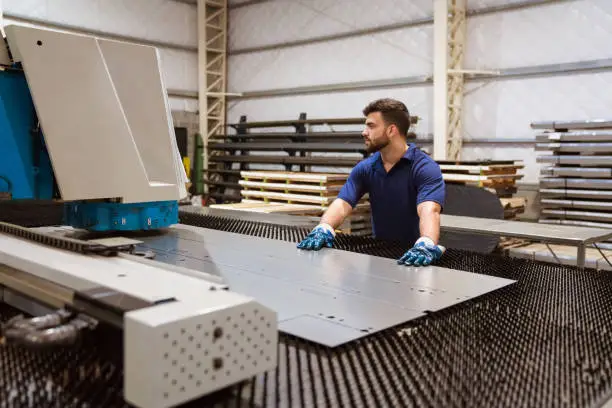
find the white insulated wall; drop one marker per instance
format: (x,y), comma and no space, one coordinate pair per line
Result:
(153,20)
(569,31)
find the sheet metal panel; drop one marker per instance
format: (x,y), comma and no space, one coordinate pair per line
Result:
(583,136)
(576,183)
(330,296)
(579,215)
(573,124)
(561,192)
(587,205)
(589,224)
(576,147)
(520,229)
(278,219)
(576,160)
(577,172)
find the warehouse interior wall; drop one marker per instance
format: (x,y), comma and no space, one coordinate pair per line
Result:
(169,25)
(327,72)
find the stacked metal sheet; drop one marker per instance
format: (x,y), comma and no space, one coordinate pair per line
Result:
(576,182)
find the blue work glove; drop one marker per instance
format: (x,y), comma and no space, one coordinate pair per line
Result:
(322,235)
(423,253)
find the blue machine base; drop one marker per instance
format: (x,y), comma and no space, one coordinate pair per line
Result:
(103,216)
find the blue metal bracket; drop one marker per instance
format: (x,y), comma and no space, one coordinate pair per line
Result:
(105,216)
(25,167)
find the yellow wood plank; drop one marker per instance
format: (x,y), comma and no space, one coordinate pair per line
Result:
(293,176)
(291,198)
(287,187)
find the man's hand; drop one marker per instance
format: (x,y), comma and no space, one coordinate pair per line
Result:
(322,235)
(423,253)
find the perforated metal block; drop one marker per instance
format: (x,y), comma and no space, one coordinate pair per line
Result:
(174,352)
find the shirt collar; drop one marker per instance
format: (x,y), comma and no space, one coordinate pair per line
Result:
(377,163)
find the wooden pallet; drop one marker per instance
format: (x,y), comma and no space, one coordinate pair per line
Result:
(489,180)
(273,196)
(513,206)
(271,208)
(288,176)
(483,169)
(500,176)
(292,187)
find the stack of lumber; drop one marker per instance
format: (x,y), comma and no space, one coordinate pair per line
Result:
(498,177)
(576,180)
(297,193)
(513,206)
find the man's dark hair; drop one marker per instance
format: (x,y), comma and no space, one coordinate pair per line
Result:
(393,112)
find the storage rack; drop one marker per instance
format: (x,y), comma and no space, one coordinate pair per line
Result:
(298,150)
(576,186)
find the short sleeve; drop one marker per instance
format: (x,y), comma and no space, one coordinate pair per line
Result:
(355,186)
(430,183)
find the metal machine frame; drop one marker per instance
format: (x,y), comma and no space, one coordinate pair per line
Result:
(184,336)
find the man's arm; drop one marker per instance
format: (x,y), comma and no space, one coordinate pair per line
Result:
(324,233)
(430,199)
(336,213)
(429,220)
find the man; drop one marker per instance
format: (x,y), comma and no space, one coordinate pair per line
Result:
(405,186)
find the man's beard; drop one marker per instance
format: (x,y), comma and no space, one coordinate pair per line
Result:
(374,147)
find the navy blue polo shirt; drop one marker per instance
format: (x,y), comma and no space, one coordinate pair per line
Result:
(394,196)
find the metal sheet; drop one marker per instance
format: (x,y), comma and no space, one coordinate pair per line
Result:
(579,215)
(561,192)
(587,205)
(576,147)
(359,292)
(576,183)
(518,229)
(576,160)
(278,219)
(584,136)
(573,124)
(590,224)
(577,172)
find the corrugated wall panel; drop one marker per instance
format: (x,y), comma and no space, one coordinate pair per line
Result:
(338,104)
(180,69)
(392,54)
(160,20)
(183,104)
(284,20)
(557,33)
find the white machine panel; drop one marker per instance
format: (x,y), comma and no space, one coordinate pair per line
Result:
(204,340)
(139,84)
(4,56)
(176,352)
(104,113)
